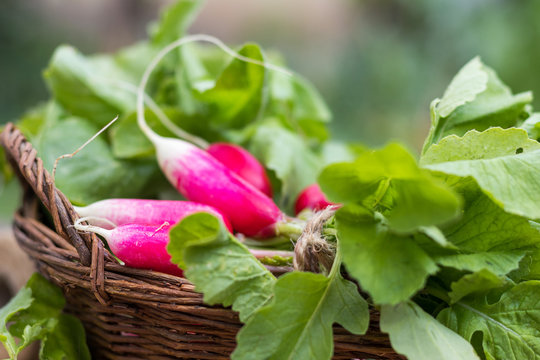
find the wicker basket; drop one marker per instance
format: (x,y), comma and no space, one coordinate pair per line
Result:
(130,313)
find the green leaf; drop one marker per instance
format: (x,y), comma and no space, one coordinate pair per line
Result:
(236,98)
(476,99)
(407,196)
(485,227)
(389,266)
(288,156)
(336,152)
(175,19)
(532,126)
(498,262)
(30,315)
(470,81)
(477,282)
(297,324)
(93,174)
(493,176)
(48,302)
(419,336)
(474,145)
(219,265)
(66,341)
(296,99)
(84,89)
(509,327)
(20,302)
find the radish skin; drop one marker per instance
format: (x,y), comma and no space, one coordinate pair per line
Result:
(202,178)
(144,212)
(138,246)
(312,198)
(242,163)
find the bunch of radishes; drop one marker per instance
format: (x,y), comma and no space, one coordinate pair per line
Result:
(222,179)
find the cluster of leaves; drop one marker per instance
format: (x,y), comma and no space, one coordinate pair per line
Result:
(447,247)
(35,313)
(280,119)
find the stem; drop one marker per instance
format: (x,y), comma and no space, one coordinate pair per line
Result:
(249,242)
(182,41)
(289,229)
(337,261)
(259,254)
(162,117)
(95,229)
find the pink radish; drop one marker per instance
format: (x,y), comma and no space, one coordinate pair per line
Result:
(202,178)
(312,198)
(138,246)
(241,162)
(144,212)
(145,246)
(236,158)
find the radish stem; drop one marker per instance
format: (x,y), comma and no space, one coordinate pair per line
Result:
(182,41)
(81,147)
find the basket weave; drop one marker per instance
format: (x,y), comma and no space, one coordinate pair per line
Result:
(131,313)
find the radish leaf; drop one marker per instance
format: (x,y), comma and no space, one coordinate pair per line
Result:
(35,314)
(419,336)
(390,181)
(472,103)
(297,324)
(389,266)
(509,327)
(93,174)
(219,265)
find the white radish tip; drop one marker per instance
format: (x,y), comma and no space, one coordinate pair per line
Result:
(92,228)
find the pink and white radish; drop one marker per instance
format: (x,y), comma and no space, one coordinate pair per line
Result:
(202,178)
(138,246)
(144,212)
(235,157)
(312,198)
(145,246)
(242,163)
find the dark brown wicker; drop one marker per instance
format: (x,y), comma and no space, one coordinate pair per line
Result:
(130,313)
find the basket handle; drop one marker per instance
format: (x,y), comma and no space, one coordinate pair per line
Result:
(35,178)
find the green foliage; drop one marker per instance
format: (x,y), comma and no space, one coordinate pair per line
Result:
(392,183)
(509,326)
(219,265)
(35,314)
(94,173)
(389,266)
(294,164)
(475,99)
(417,335)
(297,324)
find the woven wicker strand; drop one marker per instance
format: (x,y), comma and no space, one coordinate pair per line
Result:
(131,313)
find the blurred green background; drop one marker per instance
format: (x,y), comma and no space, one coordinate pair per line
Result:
(377,63)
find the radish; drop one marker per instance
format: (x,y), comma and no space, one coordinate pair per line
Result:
(144,212)
(241,162)
(145,246)
(312,198)
(138,246)
(202,178)
(236,158)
